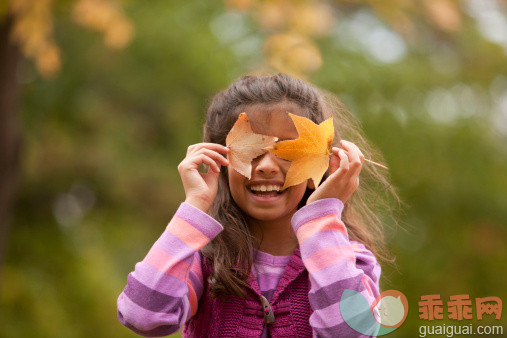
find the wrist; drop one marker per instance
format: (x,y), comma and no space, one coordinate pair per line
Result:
(317,209)
(318,197)
(204,207)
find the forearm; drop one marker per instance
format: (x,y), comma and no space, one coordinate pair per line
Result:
(334,264)
(163,290)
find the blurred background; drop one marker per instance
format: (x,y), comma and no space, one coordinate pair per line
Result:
(99,100)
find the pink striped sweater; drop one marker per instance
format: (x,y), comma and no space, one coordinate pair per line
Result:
(163,291)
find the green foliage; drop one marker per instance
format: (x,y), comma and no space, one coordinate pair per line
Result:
(103,139)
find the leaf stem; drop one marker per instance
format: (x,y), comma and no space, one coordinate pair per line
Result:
(380,165)
(370,161)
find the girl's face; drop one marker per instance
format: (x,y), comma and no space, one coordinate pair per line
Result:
(253,195)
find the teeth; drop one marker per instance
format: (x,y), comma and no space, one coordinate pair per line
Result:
(265,187)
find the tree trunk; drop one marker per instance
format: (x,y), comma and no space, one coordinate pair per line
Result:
(10,131)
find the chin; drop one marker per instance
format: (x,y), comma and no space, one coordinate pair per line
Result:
(266,216)
(270,213)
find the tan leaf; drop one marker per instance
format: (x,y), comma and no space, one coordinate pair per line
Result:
(245,145)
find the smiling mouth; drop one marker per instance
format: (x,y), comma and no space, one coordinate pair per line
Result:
(266,190)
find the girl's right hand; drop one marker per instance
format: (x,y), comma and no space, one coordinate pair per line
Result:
(201,188)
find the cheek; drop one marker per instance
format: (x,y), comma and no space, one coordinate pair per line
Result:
(235,183)
(299,190)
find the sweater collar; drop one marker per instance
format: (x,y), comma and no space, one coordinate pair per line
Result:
(292,270)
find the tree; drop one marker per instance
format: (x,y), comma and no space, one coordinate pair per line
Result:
(26,31)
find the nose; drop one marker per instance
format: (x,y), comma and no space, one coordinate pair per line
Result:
(266,164)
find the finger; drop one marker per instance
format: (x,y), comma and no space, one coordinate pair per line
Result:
(359,152)
(201,158)
(335,160)
(191,148)
(361,156)
(213,154)
(344,161)
(212,146)
(354,157)
(353,150)
(344,166)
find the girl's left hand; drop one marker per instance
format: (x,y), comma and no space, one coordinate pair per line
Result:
(343,177)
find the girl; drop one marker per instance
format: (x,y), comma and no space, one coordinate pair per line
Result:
(242,258)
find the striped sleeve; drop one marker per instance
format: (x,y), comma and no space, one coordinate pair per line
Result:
(334,263)
(163,291)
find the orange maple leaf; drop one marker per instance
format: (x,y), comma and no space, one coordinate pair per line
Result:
(245,145)
(309,153)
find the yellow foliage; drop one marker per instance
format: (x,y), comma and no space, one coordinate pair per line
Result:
(400,14)
(293,24)
(292,53)
(402,24)
(33,28)
(106,17)
(290,49)
(239,5)
(315,18)
(33,31)
(48,60)
(396,14)
(119,34)
(272,15)
(444,13)
(305,17)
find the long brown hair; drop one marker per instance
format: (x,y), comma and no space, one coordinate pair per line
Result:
(231,251)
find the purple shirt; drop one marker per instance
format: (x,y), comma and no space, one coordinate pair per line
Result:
(163,291)
(268,269)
